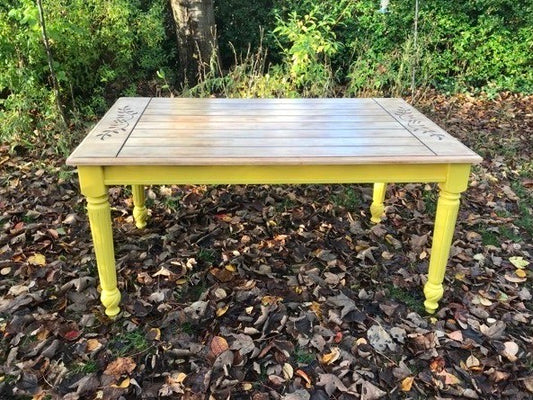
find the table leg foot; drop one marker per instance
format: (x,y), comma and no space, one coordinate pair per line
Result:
(111,299)
(433,293)
(377,208)
(140,213)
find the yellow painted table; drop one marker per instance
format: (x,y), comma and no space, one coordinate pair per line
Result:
(147,141)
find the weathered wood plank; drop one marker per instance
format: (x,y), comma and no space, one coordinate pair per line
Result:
(214,124)
(109,135)
(259,118)
(428,132)
(271,133)
(273,144)
(258,152)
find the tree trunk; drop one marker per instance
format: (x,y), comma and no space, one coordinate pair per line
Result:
(196,34)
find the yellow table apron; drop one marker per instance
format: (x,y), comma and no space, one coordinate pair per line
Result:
(151,141)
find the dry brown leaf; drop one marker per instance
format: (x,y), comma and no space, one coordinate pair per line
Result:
(510,351)
(93,344)
(473,364)
(122,365)
(222,310)
(528,383)
(122,385)
(331,357)
(449,379)
(407,383)
(218,345)
(514,278)
(305,377)
(164,272)
(288,371)
(37,259)
(316,308)
(270,300)
(370,391)
(154,334)
(456,335)
(521,273)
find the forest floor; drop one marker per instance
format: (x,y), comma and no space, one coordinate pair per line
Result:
(258,292)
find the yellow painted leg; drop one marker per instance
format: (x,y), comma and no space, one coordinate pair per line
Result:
(447,208)
(92,186)
(377,208)
(140,213)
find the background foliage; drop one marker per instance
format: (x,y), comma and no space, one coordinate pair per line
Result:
(103,49)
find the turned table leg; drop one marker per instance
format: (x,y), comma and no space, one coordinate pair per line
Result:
(447,209)
(94,189)
(140,213)
(377,207)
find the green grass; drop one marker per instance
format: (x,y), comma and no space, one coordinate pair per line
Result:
(488,238)
(206,255)
(85,368)
(171,203)
(128,343)
(430,202)
(285,204)
(347,197)
(303,356)
(411,298)
(525,207)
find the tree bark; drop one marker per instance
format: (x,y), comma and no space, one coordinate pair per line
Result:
(196,35)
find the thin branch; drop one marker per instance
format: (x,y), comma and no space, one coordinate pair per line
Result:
(53,76)
(415,45)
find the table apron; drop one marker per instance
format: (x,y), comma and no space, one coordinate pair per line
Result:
(275,174)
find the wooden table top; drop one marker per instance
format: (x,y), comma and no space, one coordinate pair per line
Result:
(186,131)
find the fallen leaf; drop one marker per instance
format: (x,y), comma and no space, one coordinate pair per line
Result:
(341,300)
(93,344)
(380,339)
(528,383)
(222,310)
(270,300)
(300,394)
(288,371)
(514,278)
(472,363)
(407,383)
(244,344)
(304,376)
(494,331)
(331,357)
(371,392)
(519,262)
(218,345)
(122,385)
(37,259)
(72,334)
(122,365)
(331,383)
(449,379)
(521,273)
(154,334)
(456,335)
(510,351)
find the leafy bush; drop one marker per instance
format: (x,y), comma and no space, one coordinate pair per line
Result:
(101,49)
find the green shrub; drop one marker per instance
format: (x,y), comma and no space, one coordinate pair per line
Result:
(101,49)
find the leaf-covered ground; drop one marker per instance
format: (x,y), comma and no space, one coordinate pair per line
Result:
(259,292)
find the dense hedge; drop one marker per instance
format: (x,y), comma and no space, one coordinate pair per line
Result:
(103,49)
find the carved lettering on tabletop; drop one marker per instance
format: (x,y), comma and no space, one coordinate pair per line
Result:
(415,125)
(120,124)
